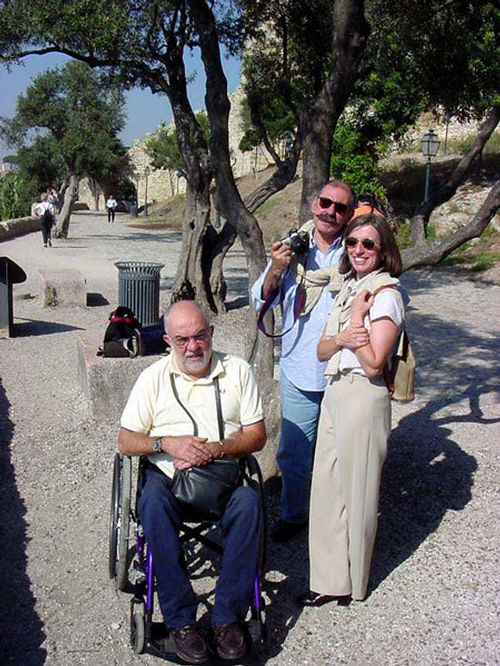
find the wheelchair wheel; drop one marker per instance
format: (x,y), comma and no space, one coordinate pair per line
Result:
(137,627)
(258,633)
(119,520)
(257,481)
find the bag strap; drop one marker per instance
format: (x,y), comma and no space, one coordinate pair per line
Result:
(176,396)
(386,372)
(220,418)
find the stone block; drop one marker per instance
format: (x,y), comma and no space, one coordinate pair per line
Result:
(106,382)
(65,287)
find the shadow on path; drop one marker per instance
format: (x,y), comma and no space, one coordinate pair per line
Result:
(426,473)
(21,631)
(30,327)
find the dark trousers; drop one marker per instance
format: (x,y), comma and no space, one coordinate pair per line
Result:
(111,214)
(241,529)
(46,231)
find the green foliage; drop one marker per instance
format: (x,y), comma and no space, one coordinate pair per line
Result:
(285,66)
(82,111)
(354,160)
(430,54)
(163,149)
(41,165)
(11,200)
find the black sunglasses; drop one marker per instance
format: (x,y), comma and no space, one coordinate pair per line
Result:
(367,243)
(325,202)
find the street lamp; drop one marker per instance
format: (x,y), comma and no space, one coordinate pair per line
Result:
(430,146)
(147,171)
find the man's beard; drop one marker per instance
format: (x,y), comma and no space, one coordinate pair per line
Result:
(194,364)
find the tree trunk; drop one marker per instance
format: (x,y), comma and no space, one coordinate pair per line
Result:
(318,119)
(430,254)
(228,199)
(422,214)
(425,253)
(190,280)
(63,219)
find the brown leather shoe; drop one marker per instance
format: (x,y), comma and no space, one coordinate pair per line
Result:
(231,641)
(189,645)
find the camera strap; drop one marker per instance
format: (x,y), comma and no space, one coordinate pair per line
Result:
(298,305)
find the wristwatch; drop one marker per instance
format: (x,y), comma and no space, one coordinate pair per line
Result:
(157,448)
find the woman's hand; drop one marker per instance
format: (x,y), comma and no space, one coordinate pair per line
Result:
(360,306)
(353,337)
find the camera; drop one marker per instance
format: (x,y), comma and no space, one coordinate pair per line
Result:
(297,241)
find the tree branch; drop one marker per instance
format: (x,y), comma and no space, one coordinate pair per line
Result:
(430,254)
(420,218)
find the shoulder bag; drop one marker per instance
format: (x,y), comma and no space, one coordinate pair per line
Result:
(202,492)
(399,375)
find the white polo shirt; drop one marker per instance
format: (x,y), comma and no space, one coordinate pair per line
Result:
(153,410)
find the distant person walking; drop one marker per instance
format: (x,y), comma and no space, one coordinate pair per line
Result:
(111,205)
(53,199)
(46,215)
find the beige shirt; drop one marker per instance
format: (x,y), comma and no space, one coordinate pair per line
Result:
(153,410)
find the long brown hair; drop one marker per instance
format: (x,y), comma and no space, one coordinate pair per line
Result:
(391,259)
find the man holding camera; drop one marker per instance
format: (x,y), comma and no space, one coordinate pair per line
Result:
(302,380)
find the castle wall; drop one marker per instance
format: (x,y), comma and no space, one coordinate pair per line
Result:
(162,184)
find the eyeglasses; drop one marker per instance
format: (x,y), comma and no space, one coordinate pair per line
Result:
(182,342)
(367,243)
(325,202)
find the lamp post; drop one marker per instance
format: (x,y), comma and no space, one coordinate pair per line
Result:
(147,171)
(430,146)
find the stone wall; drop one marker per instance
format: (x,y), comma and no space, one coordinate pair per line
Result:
(22,225)
(162,184)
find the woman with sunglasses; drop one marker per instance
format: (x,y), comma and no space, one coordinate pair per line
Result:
(361,332)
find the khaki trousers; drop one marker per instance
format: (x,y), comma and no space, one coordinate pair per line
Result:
(354,425)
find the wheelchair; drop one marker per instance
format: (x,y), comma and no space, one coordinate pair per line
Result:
(130,559)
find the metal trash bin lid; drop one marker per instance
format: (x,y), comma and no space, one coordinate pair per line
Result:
(143,268)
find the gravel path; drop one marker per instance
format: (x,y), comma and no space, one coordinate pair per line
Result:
(435,583)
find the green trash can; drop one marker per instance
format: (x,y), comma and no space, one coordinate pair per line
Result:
(139,289)
(132,210)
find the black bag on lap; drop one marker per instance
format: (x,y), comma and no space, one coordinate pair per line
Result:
(202,493)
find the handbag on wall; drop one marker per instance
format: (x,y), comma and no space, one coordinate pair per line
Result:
(202,492)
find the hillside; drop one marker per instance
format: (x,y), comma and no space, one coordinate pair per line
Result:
(404,178)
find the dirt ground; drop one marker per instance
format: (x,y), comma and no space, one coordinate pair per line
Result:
(434,590)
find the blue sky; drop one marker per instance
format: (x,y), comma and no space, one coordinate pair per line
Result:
(145,111)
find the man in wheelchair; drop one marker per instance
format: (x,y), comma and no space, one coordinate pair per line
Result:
(169,398)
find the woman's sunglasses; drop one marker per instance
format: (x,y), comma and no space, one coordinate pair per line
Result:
(325,202)
(367,243)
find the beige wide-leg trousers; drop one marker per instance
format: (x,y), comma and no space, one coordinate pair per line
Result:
(351,447)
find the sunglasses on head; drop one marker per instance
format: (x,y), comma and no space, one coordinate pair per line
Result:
(367,243)
(325,202)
